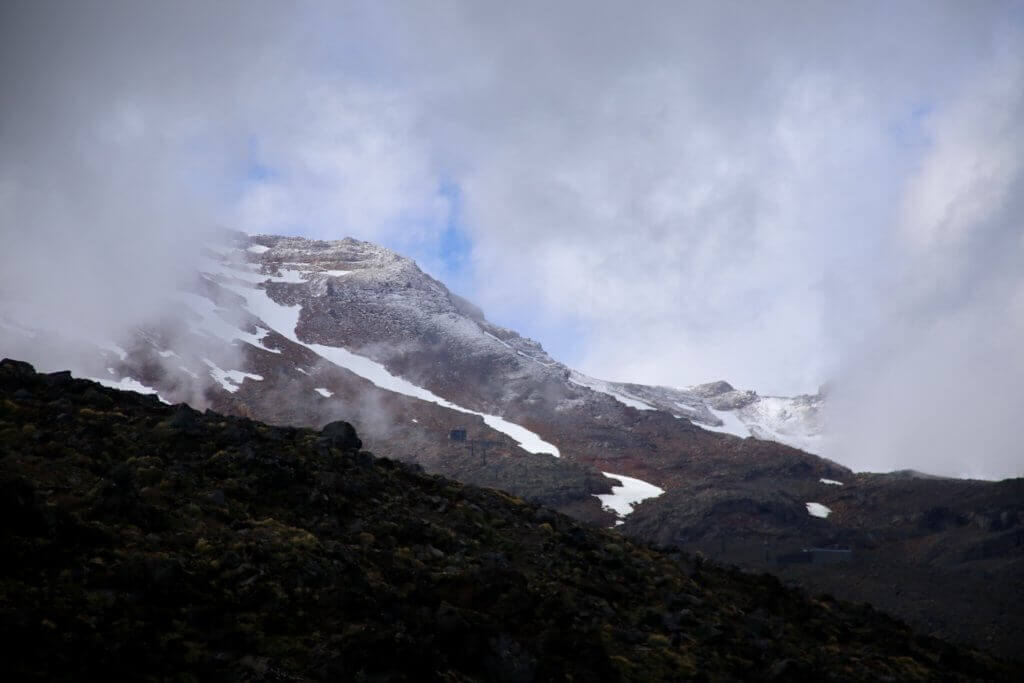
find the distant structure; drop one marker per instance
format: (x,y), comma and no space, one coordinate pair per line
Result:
(817,556)
(476,446)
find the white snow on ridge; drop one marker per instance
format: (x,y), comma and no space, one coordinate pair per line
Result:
(498,339)
(231,380)
(128,384)
(535,360)
(818,510)
(521,353)
(731,423)
(784,420)
(632,491)
(603,387)
(284,319)
(324,392)
(833,482)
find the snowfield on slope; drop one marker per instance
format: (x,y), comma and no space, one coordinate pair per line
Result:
(604,387)
(790,421)
(622,498)
(284,319)
(731,424)
(128,384)
(818,510)
(230,380)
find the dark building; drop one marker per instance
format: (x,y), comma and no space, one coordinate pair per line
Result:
(458,434)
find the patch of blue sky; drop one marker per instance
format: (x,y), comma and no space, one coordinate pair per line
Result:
(449,258)
(444,250)
(564,338)
(256,168)
(455,247)
(911,131)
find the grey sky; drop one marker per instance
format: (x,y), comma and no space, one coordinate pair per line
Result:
(777,194)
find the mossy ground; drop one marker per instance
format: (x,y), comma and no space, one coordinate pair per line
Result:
(142,541)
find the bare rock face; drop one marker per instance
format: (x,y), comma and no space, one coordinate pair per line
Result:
(712,389)
(732,399)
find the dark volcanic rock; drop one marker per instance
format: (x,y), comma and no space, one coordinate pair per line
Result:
(134,549)
(342,435)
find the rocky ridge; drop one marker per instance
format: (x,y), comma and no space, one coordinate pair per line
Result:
(145,540)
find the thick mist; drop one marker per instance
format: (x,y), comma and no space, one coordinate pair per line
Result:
(116,143)
(936,382)
(776,194)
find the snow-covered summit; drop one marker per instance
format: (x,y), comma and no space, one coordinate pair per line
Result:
(717,406)
(383,306)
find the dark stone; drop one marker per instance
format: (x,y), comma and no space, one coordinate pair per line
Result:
(342,435)
(57,379)
(16,368)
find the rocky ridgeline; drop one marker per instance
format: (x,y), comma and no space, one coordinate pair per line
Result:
(149,541)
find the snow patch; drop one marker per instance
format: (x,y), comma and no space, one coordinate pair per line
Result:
(335,273)
(128,384)
(166,354)
(324,392)
(791,421)
(731,423)
(632,491)
(258,249)
(231,380)
(833,482)
(818,510)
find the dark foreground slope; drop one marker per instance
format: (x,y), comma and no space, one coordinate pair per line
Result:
(142,540)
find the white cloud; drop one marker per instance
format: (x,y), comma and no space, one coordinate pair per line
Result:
(771,193)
